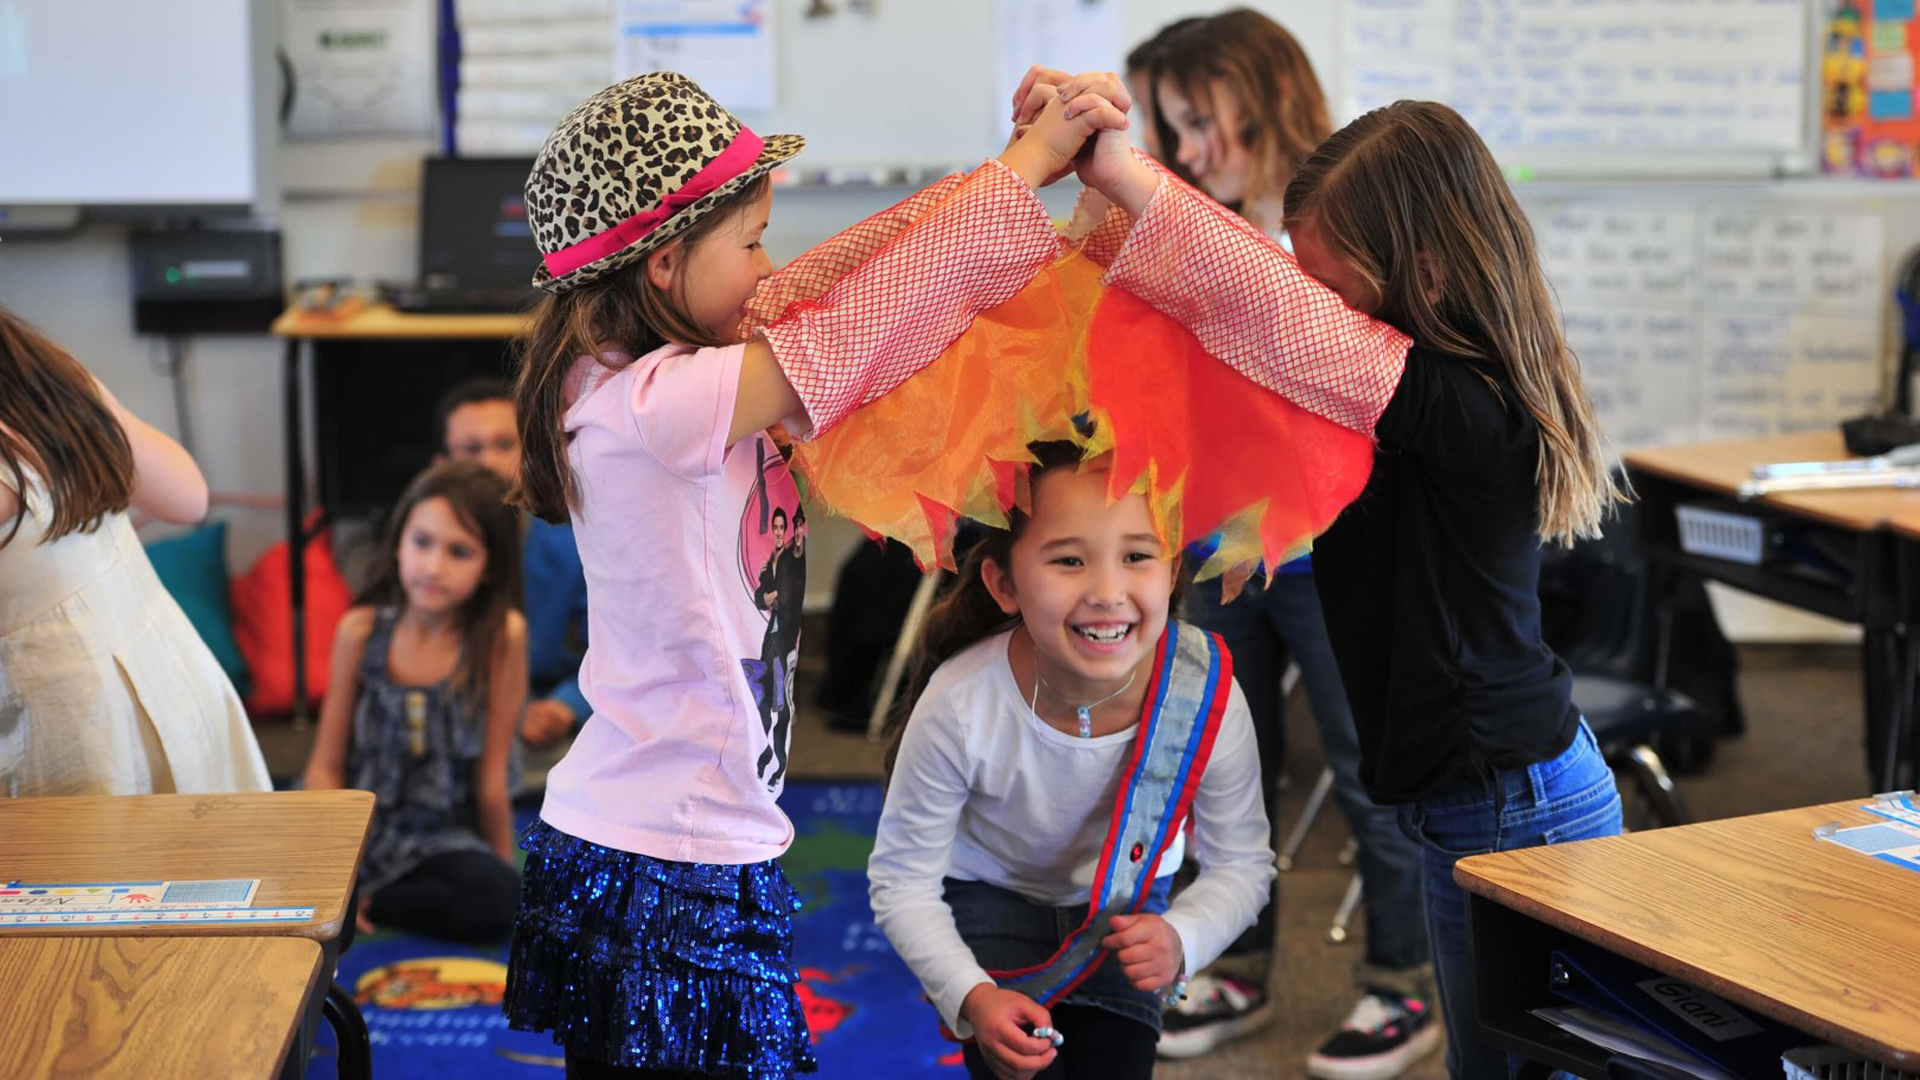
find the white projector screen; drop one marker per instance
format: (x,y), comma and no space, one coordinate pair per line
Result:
(127,103)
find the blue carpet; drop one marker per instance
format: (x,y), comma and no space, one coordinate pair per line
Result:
(433,1009)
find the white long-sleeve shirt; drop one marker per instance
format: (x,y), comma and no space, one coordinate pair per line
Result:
(984,790)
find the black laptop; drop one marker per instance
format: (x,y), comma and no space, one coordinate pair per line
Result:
(476,249)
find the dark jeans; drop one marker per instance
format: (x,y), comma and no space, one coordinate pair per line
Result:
(458,896)
(1099,1046)
(1569,798)
(1262,627)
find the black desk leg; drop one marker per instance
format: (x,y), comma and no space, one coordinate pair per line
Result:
(1896,749)
(296,526)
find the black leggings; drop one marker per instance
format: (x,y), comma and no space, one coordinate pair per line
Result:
(458,896)
(1100,1045)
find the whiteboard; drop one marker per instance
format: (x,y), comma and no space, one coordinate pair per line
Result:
(1598,87)
(149,104)
(1720,315)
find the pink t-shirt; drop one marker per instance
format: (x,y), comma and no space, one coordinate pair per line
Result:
(694,554)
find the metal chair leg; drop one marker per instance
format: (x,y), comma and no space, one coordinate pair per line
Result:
(1337,933)
(355,1060)
(1662,795)
(1315,800)
(902,652)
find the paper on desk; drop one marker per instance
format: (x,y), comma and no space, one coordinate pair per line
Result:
(86,897)
(1897,805)
(1894,841)
(1633,1040)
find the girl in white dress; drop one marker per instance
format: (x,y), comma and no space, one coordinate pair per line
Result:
(105,687)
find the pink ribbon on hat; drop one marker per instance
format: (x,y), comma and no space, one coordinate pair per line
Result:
(737,158)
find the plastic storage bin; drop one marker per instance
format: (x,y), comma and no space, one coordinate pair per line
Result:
(1722,535)
(1837,1063)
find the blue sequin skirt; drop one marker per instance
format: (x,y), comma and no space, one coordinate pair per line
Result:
(642,963)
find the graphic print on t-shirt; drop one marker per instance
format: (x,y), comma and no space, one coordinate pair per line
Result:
(773,568)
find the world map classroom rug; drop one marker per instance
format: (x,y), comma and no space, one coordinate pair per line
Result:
(433,1009)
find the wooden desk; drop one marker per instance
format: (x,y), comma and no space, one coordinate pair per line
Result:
(367,324)
(1849,527)
(1809,934)
(138,1007)
(304,846)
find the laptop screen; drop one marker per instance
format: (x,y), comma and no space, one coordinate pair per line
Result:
(473,225)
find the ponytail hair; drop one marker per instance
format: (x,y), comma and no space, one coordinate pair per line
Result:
(622,312)
(1409,188)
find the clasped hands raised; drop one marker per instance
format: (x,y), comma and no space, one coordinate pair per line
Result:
(1078,123)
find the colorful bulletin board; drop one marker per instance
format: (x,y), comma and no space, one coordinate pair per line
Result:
(1870,122)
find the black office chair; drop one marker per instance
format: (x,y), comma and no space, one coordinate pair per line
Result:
(1626,717)
(1620,678)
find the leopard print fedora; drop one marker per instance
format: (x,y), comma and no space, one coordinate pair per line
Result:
(631,168)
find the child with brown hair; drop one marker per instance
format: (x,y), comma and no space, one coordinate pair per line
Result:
(655,930)
(1488,448)
(105,688)
(428,679)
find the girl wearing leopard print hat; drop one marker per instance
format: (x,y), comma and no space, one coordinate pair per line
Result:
(655,929)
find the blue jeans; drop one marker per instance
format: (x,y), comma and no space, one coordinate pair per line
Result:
(1571,797)
(1262,627)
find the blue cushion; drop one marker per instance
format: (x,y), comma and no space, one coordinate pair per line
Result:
(193,567)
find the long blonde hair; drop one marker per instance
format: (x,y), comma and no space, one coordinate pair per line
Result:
(1409,197)
(1244,54)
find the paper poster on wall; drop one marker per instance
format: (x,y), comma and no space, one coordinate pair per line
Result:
(360,67)
(724,45)
(1697,323)
(1868,122)
(1070,35)
(1589,75)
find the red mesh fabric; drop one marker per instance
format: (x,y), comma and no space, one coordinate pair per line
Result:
(909,292)
(1252,306)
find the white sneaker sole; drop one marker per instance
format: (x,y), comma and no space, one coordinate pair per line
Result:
(1379,1066)
(1191,1044)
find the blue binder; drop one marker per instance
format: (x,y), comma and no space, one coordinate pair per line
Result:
(1728,1035)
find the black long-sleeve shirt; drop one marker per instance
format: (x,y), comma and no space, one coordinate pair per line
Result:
(1429,585)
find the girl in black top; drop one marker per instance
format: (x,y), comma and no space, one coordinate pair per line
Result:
(1487,447)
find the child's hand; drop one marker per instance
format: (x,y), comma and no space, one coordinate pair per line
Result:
(545,722)
(1042,84)
(1148,949)
(1003,1023)
(1043,151)
(1112,170)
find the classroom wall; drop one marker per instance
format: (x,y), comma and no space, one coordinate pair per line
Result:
(347,208)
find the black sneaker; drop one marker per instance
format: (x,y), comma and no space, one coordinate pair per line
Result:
(1385,1033)
(1217,1008)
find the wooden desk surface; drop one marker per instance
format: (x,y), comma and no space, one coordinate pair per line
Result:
(304,846)
(1753,909)
(1722,467)
(142,1007)
(374,321)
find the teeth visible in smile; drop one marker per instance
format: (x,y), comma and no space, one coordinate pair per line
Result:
(1103,635)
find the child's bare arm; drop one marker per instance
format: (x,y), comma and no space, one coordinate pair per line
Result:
(893,313)
(506,696)
(166,481)
(327,765)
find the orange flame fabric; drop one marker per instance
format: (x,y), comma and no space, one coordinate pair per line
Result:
(1213,452)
